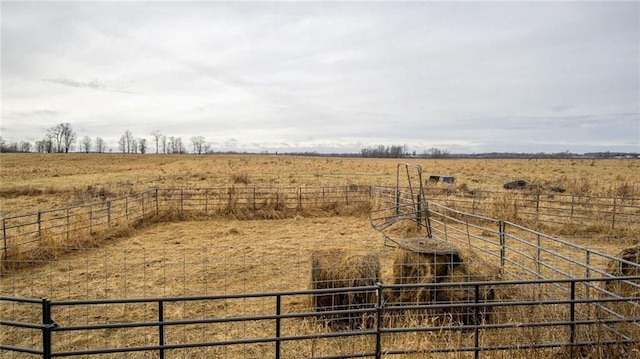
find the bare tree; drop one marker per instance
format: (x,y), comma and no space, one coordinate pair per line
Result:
(63,137)
(127,143)
(45,145)
(199,144)
(85,144)
(163,143)
(157,135)
(100,145)
(122,144)
(142,145)
(25,146)
(178,146)
(68,137)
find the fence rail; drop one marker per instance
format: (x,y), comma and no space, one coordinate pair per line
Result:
(386,335)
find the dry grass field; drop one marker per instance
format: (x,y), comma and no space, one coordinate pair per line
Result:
(230,256)
(32,182)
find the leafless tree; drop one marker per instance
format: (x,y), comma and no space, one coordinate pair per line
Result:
(163,143)
(25,146)
(45,145)
(63,137)
(85,144)
(100,145)
(142,145)
(199,144)
(157,135)
(127,142)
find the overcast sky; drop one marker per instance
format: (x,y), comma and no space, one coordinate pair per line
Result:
(466,77)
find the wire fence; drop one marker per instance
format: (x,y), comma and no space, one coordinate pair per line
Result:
(552,296)
(71,226)
(78,223)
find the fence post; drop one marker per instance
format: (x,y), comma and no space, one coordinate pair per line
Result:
(161,328)
(157,203)
(476,316)
(39,224)
(379,321)
(47,325)
(502,232)
(278,312)
(538,256)
(181,200)
(126,208)
(90,218)
(108,213)
(68,224)
(4,238)
(572,315)
(573,199)
(588,271)
(613,214)
(254,199)
(397,201)
(418,210)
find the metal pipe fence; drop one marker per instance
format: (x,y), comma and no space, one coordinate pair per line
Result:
(389,334)
(550,208)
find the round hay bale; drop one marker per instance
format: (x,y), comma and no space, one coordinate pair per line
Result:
(411,268)
(335,268)
(443,256)
(472,270)
(629,268)
(627,265)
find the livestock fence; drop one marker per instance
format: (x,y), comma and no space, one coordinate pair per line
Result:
(543,207)
(553,297)
(573,330)
(69,225)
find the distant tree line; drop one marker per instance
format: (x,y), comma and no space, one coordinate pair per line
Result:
(382,151)
(61,138)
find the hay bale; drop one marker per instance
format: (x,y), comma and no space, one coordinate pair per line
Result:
(623,288)
(443,256)
(335,268)
(472,270)
(422,260)
(411,268)
(619,268)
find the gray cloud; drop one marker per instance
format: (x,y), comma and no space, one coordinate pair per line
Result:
(463,75)
(93,84)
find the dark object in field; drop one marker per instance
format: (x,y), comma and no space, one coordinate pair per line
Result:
(517,184)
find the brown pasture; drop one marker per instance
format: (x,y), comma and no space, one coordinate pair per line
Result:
(225,256)
(32,182)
